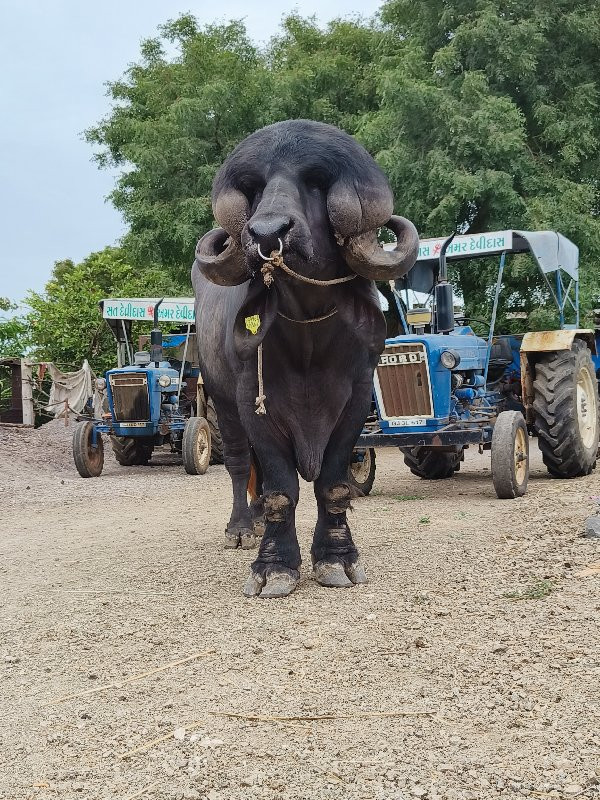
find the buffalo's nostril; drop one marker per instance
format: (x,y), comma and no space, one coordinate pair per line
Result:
(268,229)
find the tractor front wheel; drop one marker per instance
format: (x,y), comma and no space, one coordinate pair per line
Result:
(89,459)
(361,472)
(131,452)
(510,455)
(566,411)
(432,465)
(196,446)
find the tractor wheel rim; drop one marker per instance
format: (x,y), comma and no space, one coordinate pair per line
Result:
(587,410)
(361,469)
(202,449)
(520,455)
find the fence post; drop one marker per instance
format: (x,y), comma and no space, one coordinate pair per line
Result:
(27,392)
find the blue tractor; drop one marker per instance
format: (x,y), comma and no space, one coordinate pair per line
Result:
(440,388)
(144,404)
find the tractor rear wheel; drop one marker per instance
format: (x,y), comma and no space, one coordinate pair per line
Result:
(566,411)
(216,440)
(361,474)
(432,465)
(196,446)
(131,452)
(89,460)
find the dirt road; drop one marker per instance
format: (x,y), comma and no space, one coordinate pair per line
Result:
(469,667)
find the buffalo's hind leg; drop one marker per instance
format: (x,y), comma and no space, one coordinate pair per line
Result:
(275,573)
(236,455)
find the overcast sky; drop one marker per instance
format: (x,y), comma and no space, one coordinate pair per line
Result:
(55,57)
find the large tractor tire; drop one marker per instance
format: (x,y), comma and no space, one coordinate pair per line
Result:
(131,452)
(566,411)
(432,465)
(89,460)
(216,440)
(361,474)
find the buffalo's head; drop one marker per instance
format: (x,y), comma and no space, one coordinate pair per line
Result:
(314,188)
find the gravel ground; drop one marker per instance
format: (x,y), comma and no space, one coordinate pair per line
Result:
(469,667)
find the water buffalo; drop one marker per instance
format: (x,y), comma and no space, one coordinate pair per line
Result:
(288,349)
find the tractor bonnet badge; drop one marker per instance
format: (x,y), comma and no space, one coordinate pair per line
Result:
(253,323)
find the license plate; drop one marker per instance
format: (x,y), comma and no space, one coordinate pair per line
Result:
(407,423)
(132,424)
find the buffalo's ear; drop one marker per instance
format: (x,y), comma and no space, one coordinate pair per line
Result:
(254,318)
(361,311)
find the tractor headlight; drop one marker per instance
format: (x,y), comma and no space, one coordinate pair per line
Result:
(100,384)
(164,381)
(450,359)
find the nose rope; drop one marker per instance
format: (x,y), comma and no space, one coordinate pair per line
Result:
(276,260)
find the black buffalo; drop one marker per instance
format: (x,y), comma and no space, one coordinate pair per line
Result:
(313,192)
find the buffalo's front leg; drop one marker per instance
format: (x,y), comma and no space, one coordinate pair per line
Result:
(275,571)
(334,555)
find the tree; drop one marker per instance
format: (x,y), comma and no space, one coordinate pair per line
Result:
(13,331)
(65,324)
(488,120)
(175,121)
(483,113)
(172,125)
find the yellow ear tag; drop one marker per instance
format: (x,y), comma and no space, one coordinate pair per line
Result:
(252,323)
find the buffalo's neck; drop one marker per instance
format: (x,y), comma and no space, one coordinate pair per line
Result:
(300,301)
(306,341)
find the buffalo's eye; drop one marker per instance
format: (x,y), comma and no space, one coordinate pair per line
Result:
(316,179)
(252,189)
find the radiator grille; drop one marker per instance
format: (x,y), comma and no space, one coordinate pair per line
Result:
(403,378)
(130,397)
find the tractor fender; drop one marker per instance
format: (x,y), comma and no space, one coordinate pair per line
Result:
(550,341)
(546,342)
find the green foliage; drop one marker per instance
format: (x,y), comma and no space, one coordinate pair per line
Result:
(174,122)
(535,591)
(13,331)
(64,322)
(483,113)
(171,127)
(489,120)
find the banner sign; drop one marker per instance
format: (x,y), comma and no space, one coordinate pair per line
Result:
(174,309)
(471,244)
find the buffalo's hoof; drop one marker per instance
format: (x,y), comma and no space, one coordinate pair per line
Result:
(276,584)
(356,573)
(336,576)
(232,539)
(248,539)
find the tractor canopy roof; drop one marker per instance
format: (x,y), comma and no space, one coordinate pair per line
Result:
(120,312)
(552,252)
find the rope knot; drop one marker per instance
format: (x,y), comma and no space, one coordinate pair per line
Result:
(260,404)
(267,270)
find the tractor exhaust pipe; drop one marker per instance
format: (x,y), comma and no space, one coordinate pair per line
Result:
(444,296)
(156,340)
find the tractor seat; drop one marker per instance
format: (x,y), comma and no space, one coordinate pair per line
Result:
(501,354)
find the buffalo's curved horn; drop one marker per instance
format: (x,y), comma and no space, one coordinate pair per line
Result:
(365,256)
(220,258)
